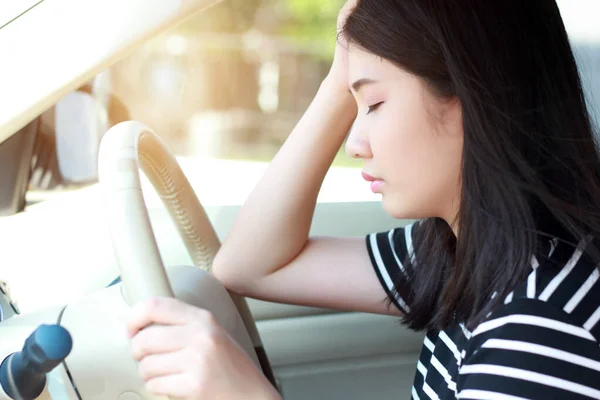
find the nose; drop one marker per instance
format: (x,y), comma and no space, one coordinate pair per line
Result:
(357,144)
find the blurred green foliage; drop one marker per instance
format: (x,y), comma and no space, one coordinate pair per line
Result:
(311,20)
(305,22)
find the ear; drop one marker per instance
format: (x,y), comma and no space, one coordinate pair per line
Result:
(452,117)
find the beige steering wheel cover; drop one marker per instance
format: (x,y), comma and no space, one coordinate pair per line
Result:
(177,194)
(125,149)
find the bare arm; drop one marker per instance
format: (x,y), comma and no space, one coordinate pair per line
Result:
(268,254)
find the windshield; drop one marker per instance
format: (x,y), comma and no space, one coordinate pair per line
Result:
(225,89)
(11,9)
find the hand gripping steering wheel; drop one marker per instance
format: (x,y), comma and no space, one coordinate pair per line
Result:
(125,149)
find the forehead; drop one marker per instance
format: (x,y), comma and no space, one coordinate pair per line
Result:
(362,63)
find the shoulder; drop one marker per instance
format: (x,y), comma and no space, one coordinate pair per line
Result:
(559,300)
(530,348)
(533,321)
(542,342)
(564,285)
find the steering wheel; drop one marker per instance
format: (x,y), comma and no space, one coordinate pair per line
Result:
(125,149)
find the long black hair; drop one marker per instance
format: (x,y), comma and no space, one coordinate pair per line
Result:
(530,167)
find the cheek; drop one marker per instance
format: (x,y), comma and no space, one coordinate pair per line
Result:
(418,165)
(401,149)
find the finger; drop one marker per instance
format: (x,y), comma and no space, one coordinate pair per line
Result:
(182,385)
(159,339)
(162,311)
(157,365)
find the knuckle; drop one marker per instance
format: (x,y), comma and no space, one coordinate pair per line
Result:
(139,346)
(136,349)
(214,341)
(199,358)
(153,305)
(199,338)
(208,341)
(144,369)
(207,317)
(153,386)
(196,384)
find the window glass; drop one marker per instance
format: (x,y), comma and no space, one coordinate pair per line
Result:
(232,82)
(581,20)
(225,88)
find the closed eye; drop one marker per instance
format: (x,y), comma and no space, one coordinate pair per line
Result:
(374,107)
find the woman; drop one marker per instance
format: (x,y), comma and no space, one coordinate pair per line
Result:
(469,116)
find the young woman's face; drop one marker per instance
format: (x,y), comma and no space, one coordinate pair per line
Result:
(410,141)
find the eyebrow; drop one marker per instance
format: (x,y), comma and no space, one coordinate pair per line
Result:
(356,86)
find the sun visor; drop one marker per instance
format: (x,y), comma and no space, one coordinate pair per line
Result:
(49,48)
(12,9)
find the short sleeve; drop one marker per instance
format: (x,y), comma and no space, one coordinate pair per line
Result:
(530,350)
(392,255)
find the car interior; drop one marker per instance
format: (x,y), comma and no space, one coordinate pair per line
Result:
(220,84)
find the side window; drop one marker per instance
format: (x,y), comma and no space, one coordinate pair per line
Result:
(588,57)
(223,90)
(581,22)
(226,88)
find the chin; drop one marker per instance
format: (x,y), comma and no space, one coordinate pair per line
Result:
(395,209)
(398,209)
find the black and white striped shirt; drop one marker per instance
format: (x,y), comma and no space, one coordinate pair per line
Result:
(541,344)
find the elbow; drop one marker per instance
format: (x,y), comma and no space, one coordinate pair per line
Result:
(232,278)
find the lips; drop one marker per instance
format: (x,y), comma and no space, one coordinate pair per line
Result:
(368,177)
(376,183)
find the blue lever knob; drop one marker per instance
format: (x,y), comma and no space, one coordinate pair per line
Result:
(23,374)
